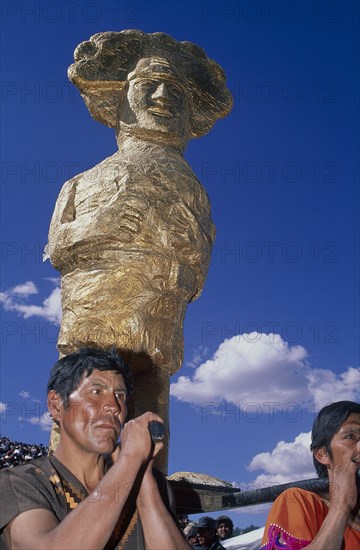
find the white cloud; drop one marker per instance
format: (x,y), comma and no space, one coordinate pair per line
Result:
(26,289)
(44,421)
(54,280)
(16,299)
(3,407)
(18,292)
(326,387)
(27,395)
(288,461)
(198,355)
(264,368)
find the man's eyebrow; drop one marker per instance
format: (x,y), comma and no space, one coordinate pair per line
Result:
(121,388)
(98,383)
(351,426)
(102,384)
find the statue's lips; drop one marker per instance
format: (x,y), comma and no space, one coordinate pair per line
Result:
(159,111)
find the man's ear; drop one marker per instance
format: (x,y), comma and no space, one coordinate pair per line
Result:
(55,405)
(322,456)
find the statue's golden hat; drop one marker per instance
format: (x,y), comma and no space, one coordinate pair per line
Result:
(103,63)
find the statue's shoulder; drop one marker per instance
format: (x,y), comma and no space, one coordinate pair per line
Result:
(103,169)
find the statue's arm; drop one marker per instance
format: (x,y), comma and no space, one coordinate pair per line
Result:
(64,213)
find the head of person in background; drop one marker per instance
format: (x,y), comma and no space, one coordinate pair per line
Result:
(225,527)
(329,518)
(183,520)
(325,435)
(207,533)
(191,535)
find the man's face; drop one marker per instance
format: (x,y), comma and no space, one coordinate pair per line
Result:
(96,412)
(156,101)
(206,536)
(223,531)
(193,540)
(345,445)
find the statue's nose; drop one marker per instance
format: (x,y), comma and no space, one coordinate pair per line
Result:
(161,93)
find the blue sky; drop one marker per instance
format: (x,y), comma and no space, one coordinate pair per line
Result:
(275,333)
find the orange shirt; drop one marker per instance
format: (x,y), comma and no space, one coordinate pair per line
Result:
(296,517)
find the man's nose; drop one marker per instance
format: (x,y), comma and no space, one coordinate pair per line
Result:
(161,93)
(112,404)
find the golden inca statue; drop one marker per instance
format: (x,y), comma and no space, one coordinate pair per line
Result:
(132,236)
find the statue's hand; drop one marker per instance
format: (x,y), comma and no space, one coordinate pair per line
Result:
(129,217)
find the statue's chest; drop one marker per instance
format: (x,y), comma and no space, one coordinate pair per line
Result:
(156,186)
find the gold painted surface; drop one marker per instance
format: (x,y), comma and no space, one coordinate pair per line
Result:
(132,237)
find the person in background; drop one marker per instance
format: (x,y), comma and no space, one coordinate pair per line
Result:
(183,520)
(207,535)
(331,521)
(191,535)
(13,453)
(225,527)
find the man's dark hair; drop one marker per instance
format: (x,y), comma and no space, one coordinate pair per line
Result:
(326,424)
(68,371)
(225,519)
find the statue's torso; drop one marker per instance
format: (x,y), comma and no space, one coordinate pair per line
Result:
(132,239)
(132,203)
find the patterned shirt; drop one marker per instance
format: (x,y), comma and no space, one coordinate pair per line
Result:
(45,483)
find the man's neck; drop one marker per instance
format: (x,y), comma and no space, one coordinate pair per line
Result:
(89,468)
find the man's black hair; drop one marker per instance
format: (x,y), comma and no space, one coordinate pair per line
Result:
(326,424)
(68,371)
(225,519)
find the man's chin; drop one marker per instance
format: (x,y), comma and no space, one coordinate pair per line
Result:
(106,446)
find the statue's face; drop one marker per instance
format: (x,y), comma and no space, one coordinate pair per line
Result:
(157,103)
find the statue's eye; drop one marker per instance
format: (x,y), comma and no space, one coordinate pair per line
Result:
(175,91)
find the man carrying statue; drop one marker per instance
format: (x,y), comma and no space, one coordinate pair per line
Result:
(132,237)
(92,492)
